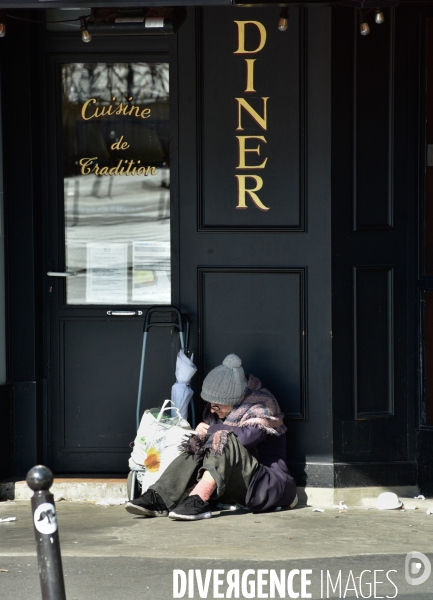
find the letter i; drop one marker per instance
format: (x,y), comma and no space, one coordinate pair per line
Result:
(321,583)
(190,583)
(250,74)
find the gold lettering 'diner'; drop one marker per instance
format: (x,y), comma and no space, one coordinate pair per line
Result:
(260,119)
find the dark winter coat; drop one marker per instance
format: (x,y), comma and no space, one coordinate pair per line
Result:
(271,484)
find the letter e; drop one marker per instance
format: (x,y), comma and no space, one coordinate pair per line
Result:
(305,582)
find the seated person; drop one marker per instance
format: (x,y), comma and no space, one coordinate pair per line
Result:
(237,454)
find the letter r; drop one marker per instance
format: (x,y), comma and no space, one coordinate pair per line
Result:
(243,190)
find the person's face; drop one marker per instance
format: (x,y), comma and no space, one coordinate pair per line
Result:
(222,410)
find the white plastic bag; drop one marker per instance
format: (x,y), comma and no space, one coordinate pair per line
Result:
(157,443)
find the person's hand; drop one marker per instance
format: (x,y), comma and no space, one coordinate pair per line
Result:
(202,428)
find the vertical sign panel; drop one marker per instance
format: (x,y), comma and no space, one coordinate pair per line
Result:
(251,139)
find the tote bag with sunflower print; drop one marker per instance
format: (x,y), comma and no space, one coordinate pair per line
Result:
(157,443)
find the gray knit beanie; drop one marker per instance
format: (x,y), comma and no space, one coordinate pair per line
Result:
(226,383)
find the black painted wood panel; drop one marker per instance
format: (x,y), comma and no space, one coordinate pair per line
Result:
(373,134)
(261,253)
(6,443)
(372,316)
(84,4)
(259,314)
(94,420)
(374,342)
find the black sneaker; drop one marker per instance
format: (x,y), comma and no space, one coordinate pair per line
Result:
(150,504)
(192,508)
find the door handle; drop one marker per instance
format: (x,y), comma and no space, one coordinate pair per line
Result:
(124,313)
(61,274)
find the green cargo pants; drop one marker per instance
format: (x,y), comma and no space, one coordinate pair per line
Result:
(232,471)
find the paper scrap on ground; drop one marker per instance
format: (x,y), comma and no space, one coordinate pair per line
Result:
(4,570)
(6,519)
(340,505)
(221,506)
(112,501)
(318,510)
(420,497)
(429,511)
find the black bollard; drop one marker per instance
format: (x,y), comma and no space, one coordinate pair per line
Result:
(40,479)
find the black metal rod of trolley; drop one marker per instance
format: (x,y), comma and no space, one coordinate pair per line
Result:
(40,479)
(181,323)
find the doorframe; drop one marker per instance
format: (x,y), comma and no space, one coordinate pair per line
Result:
(418,282)
(55,50)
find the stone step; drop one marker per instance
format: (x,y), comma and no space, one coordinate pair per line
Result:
(68,488)
(93,489)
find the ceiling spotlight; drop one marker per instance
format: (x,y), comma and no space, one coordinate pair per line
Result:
(283,21)
(85,35)
(2,29)
(380,17)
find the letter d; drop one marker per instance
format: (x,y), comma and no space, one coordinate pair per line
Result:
(116,145)
(241,37)
(416,568)
(179,583)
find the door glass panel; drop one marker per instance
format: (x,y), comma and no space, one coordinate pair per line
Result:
(116,172)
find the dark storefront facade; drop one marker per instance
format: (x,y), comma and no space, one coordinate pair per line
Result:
(275,185)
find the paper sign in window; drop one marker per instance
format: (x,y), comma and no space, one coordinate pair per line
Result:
(107,266)
(151,272)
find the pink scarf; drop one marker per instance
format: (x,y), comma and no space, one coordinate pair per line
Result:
(257,408)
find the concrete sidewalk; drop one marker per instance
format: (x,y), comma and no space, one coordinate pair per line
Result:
(109,554)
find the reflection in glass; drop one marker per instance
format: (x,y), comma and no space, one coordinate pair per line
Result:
(116,168)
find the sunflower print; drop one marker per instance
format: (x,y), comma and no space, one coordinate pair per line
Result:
(153,460)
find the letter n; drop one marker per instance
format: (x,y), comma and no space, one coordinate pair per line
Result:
(261,121)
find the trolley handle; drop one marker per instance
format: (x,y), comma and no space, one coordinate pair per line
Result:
(181,323)
(162,309)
